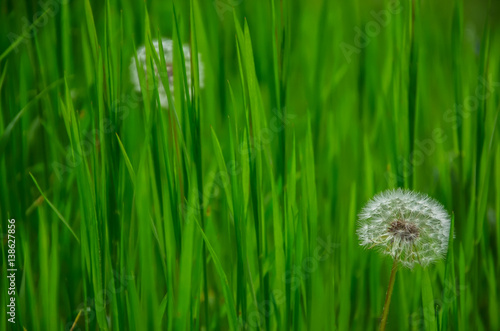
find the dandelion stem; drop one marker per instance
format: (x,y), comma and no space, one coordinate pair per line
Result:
(389,295)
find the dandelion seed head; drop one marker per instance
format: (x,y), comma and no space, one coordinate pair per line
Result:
(168,51)
(406,225)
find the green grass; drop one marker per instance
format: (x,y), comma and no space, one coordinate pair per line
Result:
(236,208)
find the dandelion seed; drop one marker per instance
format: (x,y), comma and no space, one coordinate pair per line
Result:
(169,60)
(406,225)
(410,227)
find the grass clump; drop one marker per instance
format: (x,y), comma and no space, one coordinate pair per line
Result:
(222,191)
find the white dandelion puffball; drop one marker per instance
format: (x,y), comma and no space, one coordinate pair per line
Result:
(169,61)
(409,226)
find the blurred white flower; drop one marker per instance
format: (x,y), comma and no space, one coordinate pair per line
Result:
(409,226)
(169,60)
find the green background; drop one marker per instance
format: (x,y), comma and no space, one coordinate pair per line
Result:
(237,208)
